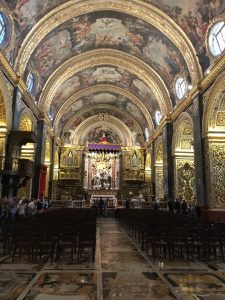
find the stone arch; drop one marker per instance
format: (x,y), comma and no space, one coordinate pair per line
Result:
(184,158)
(183,134)
(214,108)
(118,126)
(26,123)
(214,141)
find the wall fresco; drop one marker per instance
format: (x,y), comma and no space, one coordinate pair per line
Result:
(95,135)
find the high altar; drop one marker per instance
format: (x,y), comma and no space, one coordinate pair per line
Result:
(99,170)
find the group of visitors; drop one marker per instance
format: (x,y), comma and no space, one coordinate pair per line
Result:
(183,207)
(12,208)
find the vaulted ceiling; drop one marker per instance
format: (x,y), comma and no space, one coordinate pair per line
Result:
(114,59)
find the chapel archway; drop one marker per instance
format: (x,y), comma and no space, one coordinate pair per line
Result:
(214,138)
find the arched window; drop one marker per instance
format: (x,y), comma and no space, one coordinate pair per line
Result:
(216,38)
(3,29)
(147,134)
(30,82)
(180,88)
(158,117)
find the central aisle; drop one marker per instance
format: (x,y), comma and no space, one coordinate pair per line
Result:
(125,273)
(120,272)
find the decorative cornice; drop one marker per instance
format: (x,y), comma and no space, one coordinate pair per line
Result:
(18,81)
(8,69)
(136,8)
(214,72)
(102,57)
(103,88)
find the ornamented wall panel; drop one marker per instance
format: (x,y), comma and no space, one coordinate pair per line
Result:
(216,174)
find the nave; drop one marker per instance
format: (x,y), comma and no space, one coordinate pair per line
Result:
(120,271)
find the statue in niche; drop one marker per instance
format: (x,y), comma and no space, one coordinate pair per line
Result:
(135,160)
(70,158)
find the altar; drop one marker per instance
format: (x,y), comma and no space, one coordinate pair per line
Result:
(109,199)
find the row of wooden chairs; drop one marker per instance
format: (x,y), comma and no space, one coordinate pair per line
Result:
(170,235)
(53,234)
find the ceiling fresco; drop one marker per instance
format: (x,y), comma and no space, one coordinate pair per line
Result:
(193,17)
(108,29)
(109,75)
(109,110)
(116,100)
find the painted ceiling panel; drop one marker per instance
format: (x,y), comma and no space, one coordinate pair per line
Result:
(109,75)
(116,100)
(108,30)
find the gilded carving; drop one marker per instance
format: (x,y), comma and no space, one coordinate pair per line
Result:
(185,183)
(220,117)
(183,133)
(217,175)
(186,143)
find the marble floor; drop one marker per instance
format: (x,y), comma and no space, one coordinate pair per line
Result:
(120,271)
